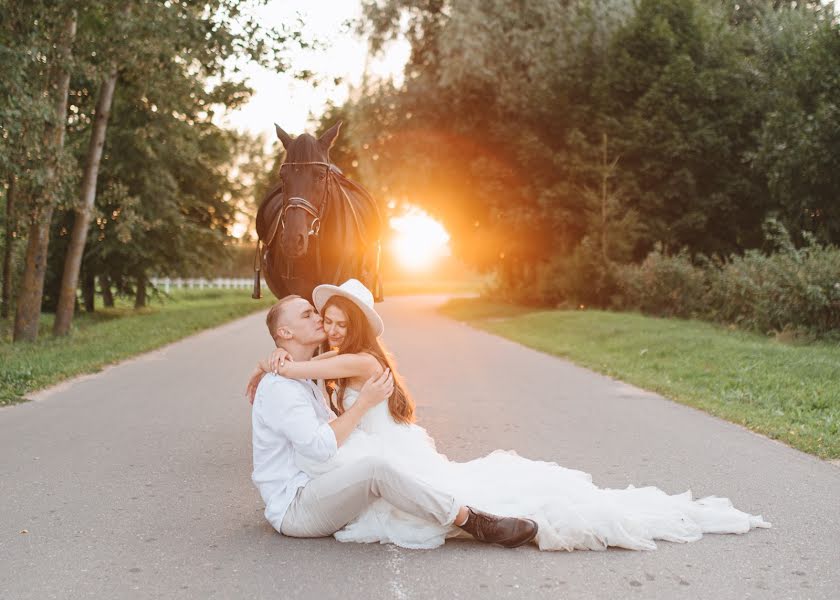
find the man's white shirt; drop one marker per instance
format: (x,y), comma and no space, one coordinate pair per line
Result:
(289,415)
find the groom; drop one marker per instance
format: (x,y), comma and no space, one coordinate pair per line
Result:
(291,416)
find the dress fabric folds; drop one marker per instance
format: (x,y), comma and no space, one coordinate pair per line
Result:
(571,511)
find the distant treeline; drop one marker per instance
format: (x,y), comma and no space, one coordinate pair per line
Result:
(565,142)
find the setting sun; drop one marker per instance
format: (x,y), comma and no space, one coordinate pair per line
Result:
(419,241)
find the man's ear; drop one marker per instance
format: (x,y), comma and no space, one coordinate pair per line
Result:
(284,333)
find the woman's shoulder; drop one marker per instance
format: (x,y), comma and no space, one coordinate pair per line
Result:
(371,362)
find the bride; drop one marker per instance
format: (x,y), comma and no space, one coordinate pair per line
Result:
(572,513)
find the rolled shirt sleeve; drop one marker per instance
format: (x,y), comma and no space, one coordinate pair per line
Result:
(288,409)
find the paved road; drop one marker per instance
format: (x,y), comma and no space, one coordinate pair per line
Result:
(134,483)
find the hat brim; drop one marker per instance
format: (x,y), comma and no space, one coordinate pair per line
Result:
(324,292)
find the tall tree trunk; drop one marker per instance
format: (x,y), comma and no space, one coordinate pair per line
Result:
(107,296)
(32,284)
(140,296)
(81,224)
(605,174)
(89,292)
(6,295)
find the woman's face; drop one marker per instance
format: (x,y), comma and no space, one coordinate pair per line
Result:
(335,324)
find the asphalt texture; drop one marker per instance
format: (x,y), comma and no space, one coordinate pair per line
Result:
(135,482)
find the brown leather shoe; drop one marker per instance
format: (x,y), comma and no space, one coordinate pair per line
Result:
(509,532)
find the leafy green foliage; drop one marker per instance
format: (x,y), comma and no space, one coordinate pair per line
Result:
(171,180)
(799,149)
(790,291)
(663,285)
(718,116)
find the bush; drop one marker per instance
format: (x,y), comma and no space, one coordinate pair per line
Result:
(668,286)
(791,290)
(795,289)
(583,278)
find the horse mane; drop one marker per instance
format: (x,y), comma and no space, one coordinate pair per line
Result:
(350,203)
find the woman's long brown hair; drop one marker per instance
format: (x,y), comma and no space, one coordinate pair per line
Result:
(360,338)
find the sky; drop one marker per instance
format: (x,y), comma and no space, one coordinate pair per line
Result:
(290,102)
(293,103)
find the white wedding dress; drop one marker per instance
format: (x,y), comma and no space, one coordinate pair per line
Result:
(572,513)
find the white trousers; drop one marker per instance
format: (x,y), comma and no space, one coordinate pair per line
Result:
(330,501)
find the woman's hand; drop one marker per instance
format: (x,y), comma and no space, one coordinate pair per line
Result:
(278,360)
(376,389)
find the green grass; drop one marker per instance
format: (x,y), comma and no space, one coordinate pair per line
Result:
(787,392)
(111,335)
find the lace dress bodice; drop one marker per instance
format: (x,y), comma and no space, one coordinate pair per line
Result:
(377,420)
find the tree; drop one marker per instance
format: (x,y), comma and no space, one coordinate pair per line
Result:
(172,62)
(32,284)
(25,45)
(73,258)
(799,141)
(10,221)
(502,150)
(610,221)
(681,104)
(488,146)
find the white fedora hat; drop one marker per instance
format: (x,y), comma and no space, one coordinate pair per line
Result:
(355,291)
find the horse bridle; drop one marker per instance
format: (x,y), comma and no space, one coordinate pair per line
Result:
(314,227)
(303,204)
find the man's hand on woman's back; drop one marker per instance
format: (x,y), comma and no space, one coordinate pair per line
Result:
(376,389)
(277,359)
(256,376)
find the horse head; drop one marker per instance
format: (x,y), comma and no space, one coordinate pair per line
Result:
(312,190)
(305,175)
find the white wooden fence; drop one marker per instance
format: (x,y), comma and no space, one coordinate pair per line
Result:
(167,283)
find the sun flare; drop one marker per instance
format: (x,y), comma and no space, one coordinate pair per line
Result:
(418,241)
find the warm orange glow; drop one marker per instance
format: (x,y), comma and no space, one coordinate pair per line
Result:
(239,228)
(419,241)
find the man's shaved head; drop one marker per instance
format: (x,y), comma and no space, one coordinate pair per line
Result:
(274,318)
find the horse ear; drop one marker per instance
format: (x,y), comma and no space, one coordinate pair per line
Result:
(284,137)
(328,139)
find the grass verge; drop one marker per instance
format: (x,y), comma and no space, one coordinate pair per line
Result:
(787,392)
(111,335)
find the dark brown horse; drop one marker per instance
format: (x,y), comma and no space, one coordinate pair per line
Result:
(315,225)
